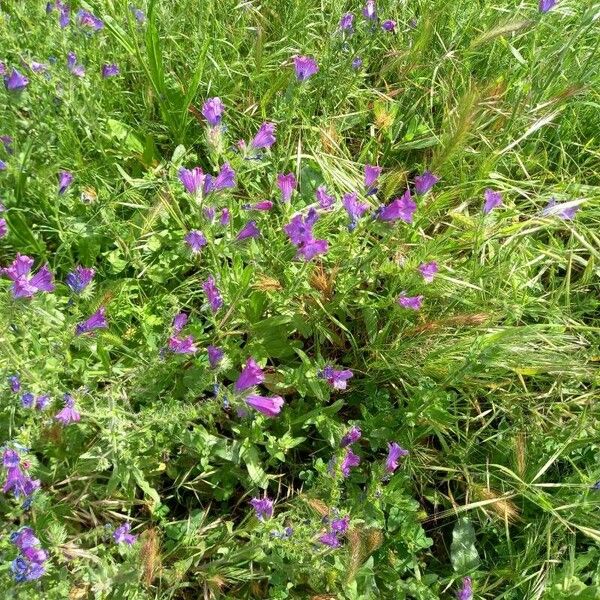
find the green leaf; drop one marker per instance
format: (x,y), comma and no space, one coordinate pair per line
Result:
(463,552)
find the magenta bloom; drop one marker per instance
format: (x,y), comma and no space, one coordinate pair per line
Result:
(182,345)
(25,286)
(96,321)
(192,179)
(423,183)
(195,240)
(546,5)
(352,436)
(299,230)
(3,227)
(347,21)
(402,208)
(250,376)
(338,380)
(122,535)
(69,413)
(466,591)
(225,179)
(350,460)
(412,302)
(323,198)
(215,356)
(268,406)
(15,383)
(369,11)
(287,184)
(263,205)
(15,82)
(179,322)
(389,25)
(87,19)
(212,294)
(110,70)
(340,526)
(76,69)
(65,178)
(80,278)
(17,482)
(265,137)
(250,230)
(372,173)
(394,454)
(330,539)
(263,507)
(305,67)
(353,207)
(556,209)
(428,270)
(225,217)
(212,111)
(492,200)
(312,248)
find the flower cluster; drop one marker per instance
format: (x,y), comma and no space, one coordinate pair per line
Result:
(31,562)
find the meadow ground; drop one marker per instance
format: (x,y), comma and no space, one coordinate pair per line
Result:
(361,361)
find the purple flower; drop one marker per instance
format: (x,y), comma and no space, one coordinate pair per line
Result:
(182,345)
(412,302)
(212,294)
(30,564)
(492,200)
(192,179)
(15,82)
(265,137)
(263,507)
(389,25)
(263,205)
(347,21)
(299,230)
(24,538)
(423,183)
(209,212)
(250,376)
(212,111)
(17,482)
(69,413)
(2,165)
(323,198)
(121,535)
(428,270)
(268,406)
(352,436)
(372,173)
(353,207)
(87,19)
(546,5)
(340,526)
(80,278)
(195,240)
(24,285)
(65,178)
(312,248)
(402,208)
(305,67)
(27,400)
(110,70)
(286,183)
(249,230)
(96,321)
(338,380)
(10,458)
(215,356)
(42,402)
(556,209)
(357,62)
(64,16)
(15,383)
(350,460)
(394,454)
(225,179)
(369,11)
(76,69)
(179,322)
(37,67)
(139,15)
(330,539)
(3,227)
(7,142)
(466,591)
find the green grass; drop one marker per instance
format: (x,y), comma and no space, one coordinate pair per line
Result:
(492,386)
